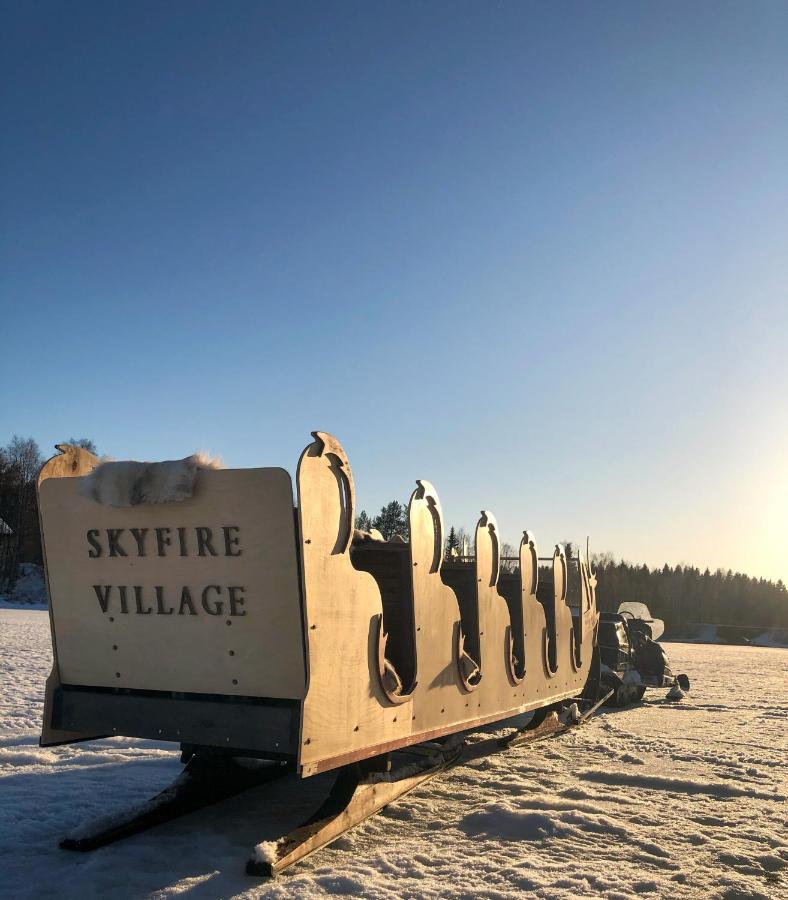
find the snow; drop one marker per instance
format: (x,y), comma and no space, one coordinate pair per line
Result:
(772,638)
(758,636)
(265,852)
(661,799)
(570,713)
(30,589)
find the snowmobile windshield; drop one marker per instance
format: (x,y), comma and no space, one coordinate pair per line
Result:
(635,610)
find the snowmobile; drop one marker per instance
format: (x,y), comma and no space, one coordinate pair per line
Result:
(630,657)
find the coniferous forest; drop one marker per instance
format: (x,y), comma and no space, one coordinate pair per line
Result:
(684,595)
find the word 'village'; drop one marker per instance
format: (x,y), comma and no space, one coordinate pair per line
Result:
(210,598)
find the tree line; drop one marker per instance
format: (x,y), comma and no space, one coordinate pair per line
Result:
(681,594)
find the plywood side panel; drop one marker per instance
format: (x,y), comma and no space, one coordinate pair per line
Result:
(537,674)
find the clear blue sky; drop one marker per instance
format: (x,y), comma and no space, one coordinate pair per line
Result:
(535,253)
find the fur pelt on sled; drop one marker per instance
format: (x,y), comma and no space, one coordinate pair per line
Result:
(130,483)
(468,665)
(360,537)
(391,679)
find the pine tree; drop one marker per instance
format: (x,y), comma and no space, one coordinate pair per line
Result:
(363,521)
(393,519)
(452,544)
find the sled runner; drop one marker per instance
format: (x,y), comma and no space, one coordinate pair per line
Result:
(361,790)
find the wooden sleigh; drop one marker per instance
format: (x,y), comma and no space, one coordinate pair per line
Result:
(300,645)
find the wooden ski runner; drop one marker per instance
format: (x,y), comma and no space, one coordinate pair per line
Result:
(357,794)
(360,791)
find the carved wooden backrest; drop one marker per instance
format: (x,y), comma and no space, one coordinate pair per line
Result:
(445,678)
(495,622)
(534,622)
(563,620)
(345,708)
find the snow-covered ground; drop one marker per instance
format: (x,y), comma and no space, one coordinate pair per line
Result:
(30,589)
(658,800)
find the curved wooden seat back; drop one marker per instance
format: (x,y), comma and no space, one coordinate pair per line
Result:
(537,673)
(562,668)
(441,698)
(496,690)
(585,623)
(345,708)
